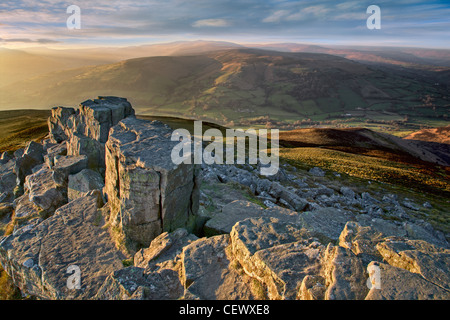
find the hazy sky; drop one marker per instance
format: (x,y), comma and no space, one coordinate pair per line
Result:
(126,22)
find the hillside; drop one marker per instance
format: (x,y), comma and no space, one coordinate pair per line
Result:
(440,135)
(246,87)
(367,142)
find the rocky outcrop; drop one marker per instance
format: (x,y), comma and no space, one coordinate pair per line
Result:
(86,130)
(265,258)
(146,192)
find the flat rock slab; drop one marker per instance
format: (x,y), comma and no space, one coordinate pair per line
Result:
(207,272)
(232,213)
(400,284)
(38,257)
(418,256)
(327,221)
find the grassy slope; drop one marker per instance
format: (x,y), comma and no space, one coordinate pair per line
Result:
(17,127)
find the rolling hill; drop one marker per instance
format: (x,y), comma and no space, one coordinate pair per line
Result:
(243,86)
(439,135)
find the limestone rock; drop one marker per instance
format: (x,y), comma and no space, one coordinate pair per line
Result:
(32,156)
(165,247)
(327,221)
(207,272)
(87,129)
(57,123)
(313,287)
(83,182)
(400,284)
(67,165)
(418,256)
(97,116)
(344,274)
(147,193)
(44,192)
(132,283)
(38,257)
(94,150)
(7,181)
(360,239)
(24,208)
(283,267)
(233,212)
(55,151)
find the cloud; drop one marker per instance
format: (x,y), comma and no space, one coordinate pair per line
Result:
(211,23)
(276,16)
(26,40)
(290,20)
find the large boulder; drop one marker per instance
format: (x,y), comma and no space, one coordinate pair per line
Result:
(43,192)
(33,155)
(79,144)
(55,151)
(67,165)
(147,193)
(207,271)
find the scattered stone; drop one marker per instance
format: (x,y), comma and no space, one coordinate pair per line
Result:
(427,205)
(348,193)
(410,205)
(317,172)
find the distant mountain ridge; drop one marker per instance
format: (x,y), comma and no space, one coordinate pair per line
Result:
(225,82)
